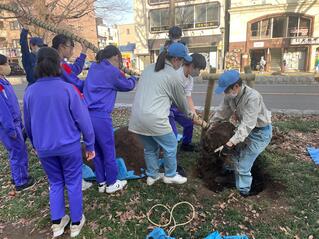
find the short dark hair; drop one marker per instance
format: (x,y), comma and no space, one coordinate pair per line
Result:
(198,61)
(3,59)
(48,63)
(239,82)
(61,39)
(175,32)
(107,53)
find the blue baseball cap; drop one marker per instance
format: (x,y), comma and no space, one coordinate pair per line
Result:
(38,41)
(226,79)
(178,49)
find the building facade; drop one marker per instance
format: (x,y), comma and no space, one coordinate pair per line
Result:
(10,37)
(10,34)
(202,21)
(284,32)
(107,35)
(127,45)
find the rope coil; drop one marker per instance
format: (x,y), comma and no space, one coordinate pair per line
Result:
(171,218)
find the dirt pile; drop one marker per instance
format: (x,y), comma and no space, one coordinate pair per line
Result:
(211,165)
(128,147)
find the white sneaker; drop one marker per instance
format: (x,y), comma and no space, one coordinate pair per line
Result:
(85,185)
(102,187)
(177,179)
(76,229)
(58,229)
(150,181)
(118,185)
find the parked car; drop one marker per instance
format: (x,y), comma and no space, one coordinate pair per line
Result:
(16,69)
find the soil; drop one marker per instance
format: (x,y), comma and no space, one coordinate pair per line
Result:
(211,164)
(128,147)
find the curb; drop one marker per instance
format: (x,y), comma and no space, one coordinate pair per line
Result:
(292,112)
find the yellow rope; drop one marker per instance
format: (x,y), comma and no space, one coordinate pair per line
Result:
(170,231)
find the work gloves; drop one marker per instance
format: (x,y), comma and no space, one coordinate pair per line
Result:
(225,150)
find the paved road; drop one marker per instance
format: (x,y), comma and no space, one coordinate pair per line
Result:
(299,97)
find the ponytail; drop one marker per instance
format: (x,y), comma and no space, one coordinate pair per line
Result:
(160,63)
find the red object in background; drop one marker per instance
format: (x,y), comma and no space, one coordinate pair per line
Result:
(127,62)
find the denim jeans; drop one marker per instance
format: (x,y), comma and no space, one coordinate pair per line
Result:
(259,138)
(152,144)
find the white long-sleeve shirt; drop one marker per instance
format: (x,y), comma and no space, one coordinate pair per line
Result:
(156,91)
(250,110)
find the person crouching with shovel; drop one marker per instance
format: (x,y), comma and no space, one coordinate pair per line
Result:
(253,123)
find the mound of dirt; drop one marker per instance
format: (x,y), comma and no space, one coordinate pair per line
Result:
(128,147)
(211,165)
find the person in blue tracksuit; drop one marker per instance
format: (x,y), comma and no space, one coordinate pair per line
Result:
(187,72)
(11,130)
(55,115)
(29,57)
(103,82)
(65,46)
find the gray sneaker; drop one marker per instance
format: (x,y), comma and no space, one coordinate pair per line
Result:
(177,179)
(150,181)
(58,229)
(76,229)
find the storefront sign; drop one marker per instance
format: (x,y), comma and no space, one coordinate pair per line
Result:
(259,44)
(305,41)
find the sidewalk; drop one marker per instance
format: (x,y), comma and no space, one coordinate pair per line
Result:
(17,80)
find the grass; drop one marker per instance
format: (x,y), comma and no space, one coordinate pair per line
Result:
(297,124)
(283,211)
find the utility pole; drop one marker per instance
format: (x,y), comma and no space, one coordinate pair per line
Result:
(172,13)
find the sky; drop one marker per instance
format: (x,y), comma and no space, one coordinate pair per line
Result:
(121,18)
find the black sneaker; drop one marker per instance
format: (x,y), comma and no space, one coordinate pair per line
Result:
(13,183)
(188,148)
(26,186)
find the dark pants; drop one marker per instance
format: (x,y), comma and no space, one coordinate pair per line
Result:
(187,124)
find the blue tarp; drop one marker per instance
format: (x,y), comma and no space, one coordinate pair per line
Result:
(314,154)
(159,233)
(123,174)
(216,235)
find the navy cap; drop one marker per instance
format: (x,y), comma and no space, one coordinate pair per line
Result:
(177,49)
(226,79)
(38,41)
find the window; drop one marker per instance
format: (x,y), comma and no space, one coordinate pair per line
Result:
(159,20)
(184,17)
(158,1)
(304,27)
(255,29)
(14,25)
(187,17)
(265,28)
(212,12)
(279,27)
(283,26)
(1,25)
(15,43)
(3,42)
(293,26)
(127,31)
